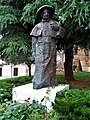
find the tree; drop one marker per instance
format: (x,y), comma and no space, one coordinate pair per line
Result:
(16,49)
(75,18)
(15,45)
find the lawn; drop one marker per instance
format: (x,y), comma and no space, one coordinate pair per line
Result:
(78,76)
(82,80)
(82,75)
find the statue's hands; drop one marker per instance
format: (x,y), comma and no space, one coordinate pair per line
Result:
(33,55)
(60,33)
(54,26)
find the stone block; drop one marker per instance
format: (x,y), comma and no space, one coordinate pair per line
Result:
(26,92)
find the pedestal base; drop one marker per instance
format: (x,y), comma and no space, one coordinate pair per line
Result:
(24,92)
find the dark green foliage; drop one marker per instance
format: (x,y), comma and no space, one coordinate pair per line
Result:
(73,104)
(16,49)
(69,105)
(7,16)
(6,86)
(15,46)
(25,111)
(75,18)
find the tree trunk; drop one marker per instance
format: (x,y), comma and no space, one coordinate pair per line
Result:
(29,70)
(68,64)
(29,63)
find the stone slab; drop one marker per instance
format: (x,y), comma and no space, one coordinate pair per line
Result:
(24,92)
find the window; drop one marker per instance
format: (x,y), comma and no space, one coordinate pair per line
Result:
(15,72)
(0,71)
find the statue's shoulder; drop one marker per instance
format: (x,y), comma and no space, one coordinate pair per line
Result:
(54,25)
(38,25)
(54,22)
(36,31)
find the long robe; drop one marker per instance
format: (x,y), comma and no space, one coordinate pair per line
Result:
(44,44)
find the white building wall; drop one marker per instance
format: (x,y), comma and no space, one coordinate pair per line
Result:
(22,69)
(8,70)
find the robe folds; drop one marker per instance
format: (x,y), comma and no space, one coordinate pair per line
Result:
(44,36)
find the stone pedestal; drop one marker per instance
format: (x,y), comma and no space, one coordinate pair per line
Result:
(24,92)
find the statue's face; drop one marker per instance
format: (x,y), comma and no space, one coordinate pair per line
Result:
(46,14)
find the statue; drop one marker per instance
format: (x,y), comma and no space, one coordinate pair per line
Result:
(44,36)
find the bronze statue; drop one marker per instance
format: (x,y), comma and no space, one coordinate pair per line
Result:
(44,36)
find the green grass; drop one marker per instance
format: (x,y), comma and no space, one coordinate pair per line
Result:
(77,75)
(61,76)
(82,75)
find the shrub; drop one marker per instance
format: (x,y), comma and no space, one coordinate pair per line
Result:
(26,111)
(6,86)
(73,104)
(18,111)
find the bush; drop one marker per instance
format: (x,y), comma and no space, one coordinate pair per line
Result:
(26,111)
(73,104)
(18,111)
(6,86)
